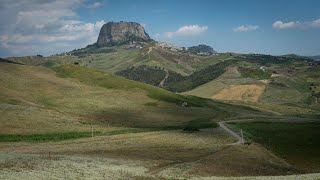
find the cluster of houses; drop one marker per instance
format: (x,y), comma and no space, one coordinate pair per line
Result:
(173,47)
(169,46)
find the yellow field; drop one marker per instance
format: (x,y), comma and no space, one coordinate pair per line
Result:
(231,86)
(240,93)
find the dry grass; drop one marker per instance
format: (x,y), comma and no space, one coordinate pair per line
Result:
(161,145)
(17,166)
(241,93)
(213,87)
(29,166)
(34,100)
(207,90)
(231,86)
(165,154)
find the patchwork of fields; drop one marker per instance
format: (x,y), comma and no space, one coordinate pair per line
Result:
(279,93)
(71,114)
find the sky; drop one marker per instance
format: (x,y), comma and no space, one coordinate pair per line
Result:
(276,27)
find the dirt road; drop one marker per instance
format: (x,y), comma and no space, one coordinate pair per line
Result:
(233,133)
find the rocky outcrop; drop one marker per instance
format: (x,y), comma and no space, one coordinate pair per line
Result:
(202,50)
(113,33)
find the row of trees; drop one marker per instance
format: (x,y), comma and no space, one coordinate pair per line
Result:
(146,74)
(175,81)
(179,83)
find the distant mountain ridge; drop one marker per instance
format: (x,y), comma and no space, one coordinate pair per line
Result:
(316,58)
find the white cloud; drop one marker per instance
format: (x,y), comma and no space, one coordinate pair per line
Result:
(245,28)
(46,27)
(316,23)
(285,25)
(70,36)
(296,24)
(189,30)
(95,5)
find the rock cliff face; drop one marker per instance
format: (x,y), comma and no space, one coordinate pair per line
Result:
(113,33)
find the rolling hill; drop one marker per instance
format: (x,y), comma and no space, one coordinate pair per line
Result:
(71,97)
(130,107)
(263,79)
(59,109)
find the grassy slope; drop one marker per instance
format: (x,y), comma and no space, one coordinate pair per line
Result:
(39,100)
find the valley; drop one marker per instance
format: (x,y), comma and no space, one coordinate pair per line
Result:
(128,107)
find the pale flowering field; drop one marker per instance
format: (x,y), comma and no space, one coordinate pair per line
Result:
(30,167)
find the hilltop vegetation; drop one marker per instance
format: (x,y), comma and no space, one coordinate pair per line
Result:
(174,82)
(255,73)
(178,83)
(201,49)
(149,75)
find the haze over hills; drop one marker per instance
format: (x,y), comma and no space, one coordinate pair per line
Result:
(154,110)
(317,58)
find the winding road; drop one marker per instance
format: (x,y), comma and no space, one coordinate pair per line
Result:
(233,133)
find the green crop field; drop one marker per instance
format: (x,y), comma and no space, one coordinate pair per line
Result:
(297,143)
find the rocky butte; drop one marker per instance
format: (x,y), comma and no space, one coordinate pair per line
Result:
(114,33)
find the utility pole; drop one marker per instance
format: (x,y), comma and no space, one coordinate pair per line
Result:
(241,137)
(91,129)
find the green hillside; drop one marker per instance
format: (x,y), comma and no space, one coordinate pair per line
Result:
(54,107)
(56,111)
(285,83)
(71,97)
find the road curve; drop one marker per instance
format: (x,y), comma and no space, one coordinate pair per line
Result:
(233,133)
